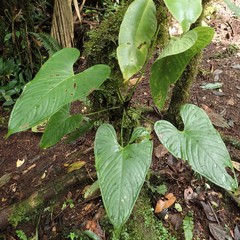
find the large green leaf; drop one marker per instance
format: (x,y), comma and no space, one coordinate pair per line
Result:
(121,170)
(59,124)
(136,32)
(54,86)
(199,144)
(168,69)
(180,44)
(233,7)
(186,12)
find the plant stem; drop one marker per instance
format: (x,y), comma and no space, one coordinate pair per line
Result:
(141,116)
(151,50)
(104,110)
(123,118)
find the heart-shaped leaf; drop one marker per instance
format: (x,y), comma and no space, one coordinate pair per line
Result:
(168,69)
(54,86)
(136,32)
(199,144)
(186,12)
(121,170)
(180,44)
(59,124)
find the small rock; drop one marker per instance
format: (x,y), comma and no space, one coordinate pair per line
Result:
(217,93)
(231,123)
(215,85)
(218,72)
(216,78)
(236,66)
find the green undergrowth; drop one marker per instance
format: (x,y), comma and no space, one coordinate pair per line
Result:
(25,211)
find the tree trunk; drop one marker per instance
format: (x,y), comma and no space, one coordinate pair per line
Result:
(62,23)
(20,211)
(181,90)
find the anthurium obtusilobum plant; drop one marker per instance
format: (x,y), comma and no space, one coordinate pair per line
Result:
(122,169)
(199,143)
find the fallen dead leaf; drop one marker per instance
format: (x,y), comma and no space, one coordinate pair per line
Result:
(13,187)
(88,207)
(165,204)
(5,179)
(160,151)
(210,86)
(54,229)
(231,102)
(94,226)
(75,166)
(216,119)
(219,93)
(159,206)
(236,165)
(92,191)
(236,233)
(219,232)
(217,72)
(31,167)
(43,175)
(133,81)
(208,211)
(20,162)
(176,220)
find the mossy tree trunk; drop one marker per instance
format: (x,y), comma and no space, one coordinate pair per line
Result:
(22,211)
(181,90)
(101,48)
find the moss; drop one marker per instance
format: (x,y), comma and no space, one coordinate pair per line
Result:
(163,18)
(103,41)
(143,224)
(101,49)
(24,211)
(181,90)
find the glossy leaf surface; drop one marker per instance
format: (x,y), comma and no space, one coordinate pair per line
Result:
(168,69)
(54,86)
(121,170)
(185,12)
(59,124)
(199,144)
(136,33)
(180,44)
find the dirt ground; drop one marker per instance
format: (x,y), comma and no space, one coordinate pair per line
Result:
(27,168)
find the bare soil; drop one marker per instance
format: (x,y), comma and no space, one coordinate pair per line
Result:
(210,204)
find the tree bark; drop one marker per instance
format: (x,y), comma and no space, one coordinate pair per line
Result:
(62,23)
(18,212)
(182,87)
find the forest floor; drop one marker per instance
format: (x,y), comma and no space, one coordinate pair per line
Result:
(25,168)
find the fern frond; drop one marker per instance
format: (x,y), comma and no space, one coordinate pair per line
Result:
(49,43)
